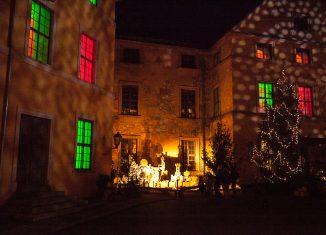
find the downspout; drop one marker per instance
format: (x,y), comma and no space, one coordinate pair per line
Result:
(203,107)
(8,80)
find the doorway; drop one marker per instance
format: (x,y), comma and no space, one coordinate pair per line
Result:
(33,153)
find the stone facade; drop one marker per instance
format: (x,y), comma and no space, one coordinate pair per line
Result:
(159,77)
(232,66)
(53,92)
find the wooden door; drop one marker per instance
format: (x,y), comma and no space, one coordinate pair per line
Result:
(33,153)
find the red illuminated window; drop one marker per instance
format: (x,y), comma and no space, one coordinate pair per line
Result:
(305,100)
(302,56)
(264,51)
(87,59)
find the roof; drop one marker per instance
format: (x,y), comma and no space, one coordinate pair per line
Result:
(191,23)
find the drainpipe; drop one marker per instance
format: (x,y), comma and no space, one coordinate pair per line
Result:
(203,106)
(7,80)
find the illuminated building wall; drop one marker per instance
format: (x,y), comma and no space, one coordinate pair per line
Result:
(61,79)
(271,38)
(241,69)
(158,101)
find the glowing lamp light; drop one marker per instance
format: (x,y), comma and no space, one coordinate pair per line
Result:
(117,139)
(143,162)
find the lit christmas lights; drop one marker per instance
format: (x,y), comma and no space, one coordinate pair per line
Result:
(277,153)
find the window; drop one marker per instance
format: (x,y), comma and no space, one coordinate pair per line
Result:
(84,144)
(87,59)
(94,2)
(39,33)
(264,51)
(129,146)
(188,102)
(302,56)
(301,23)
(188,61)
(130,100)
(265,96)
(190,148)
(131,56)
(305,100)
(216,97)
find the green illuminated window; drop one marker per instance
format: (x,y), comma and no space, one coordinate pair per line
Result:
(94,2)
(39,33)
(84,144)
(265,96)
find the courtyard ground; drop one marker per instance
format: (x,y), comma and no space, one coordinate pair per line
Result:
(194,214)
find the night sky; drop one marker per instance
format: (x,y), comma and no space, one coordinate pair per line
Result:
(194,23)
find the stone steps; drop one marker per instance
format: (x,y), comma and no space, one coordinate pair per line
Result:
(31,207)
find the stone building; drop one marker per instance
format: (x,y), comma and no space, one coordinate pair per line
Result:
(56,73)
(235,83)
(158,101)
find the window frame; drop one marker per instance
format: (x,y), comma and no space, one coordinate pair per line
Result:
(268,46)
(195,155)
(194,116)
(122,98)
(51,32)
(184,61)
(305,101)
(132,138)
(216,102)
(94,62)
(82,169)
(297,26)
(302,51)
(131,61)
(265,94)
(96,2)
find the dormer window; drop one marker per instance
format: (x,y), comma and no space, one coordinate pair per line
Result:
(188,61)
(302,56)
(263,51)
(131,56)
(301,23)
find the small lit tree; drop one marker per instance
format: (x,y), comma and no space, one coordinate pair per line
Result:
(221,150)
(276,153)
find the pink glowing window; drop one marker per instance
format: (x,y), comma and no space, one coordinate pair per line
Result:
(87,59)
(305,101)
(302,56)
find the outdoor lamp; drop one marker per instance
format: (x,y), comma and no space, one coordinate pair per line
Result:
(117,139)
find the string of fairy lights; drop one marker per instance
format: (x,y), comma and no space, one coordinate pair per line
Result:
(276,154)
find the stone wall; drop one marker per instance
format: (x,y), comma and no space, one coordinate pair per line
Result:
(158,127)
(54,91)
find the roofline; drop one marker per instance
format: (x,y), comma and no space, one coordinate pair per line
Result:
(158,41)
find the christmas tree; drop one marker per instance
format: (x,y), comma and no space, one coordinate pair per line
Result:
(276,153)
(221,145)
